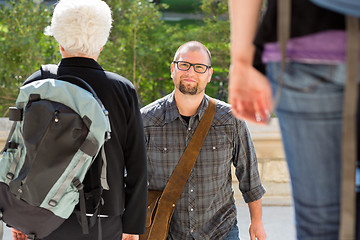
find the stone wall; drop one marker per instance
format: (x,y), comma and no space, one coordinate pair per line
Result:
(272,166)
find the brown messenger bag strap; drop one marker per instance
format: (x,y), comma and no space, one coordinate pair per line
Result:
(181,173)
(349,131)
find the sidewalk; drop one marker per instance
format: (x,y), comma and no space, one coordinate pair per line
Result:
(278,221)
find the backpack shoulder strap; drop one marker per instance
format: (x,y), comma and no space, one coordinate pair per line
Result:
(49,71)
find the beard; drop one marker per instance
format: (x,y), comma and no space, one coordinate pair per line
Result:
(188,89)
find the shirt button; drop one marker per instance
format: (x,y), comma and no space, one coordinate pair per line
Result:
(165,149)
(214,148)
(189,128)
(192,209)
(191,190)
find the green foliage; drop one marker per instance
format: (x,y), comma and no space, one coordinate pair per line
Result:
(141,45)
(214,33)
(183,6)
(137,47)
(214,8)
(23,46)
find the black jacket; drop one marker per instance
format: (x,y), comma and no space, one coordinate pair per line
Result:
(127,195)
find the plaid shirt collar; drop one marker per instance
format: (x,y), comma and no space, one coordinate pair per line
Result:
(172,112)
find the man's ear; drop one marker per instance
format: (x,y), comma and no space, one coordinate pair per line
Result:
(172,69)
(211,70)
(61,48)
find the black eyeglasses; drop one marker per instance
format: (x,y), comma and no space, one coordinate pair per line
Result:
(185,66)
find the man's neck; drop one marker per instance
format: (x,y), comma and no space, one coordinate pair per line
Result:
(186,103)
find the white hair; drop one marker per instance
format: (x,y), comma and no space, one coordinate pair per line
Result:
(81,27)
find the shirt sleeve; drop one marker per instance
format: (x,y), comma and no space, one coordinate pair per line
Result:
(136,166)
(246,165)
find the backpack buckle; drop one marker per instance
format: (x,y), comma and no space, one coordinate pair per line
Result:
(77,183)
(10,176)
(11,145)
(31,237)
(107,136)
(52,203)
(15,114)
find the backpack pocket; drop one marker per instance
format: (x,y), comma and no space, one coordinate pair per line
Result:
(26,218)
(53,133)
(7,163)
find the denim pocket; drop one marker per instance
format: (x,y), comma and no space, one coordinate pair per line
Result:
(308,88)
(300,77)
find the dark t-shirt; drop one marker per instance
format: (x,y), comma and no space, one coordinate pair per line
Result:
(186,118)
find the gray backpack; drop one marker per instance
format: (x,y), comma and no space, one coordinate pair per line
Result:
(59,128)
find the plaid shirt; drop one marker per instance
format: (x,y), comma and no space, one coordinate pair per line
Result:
(206,207)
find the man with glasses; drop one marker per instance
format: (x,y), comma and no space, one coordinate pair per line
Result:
(206,208)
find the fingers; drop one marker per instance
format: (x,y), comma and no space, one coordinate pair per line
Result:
(257,233)
(17,235)
(251,100)
(252,237)
(251,112)
(261,236)
(237,107)
(130,237)
(262,110)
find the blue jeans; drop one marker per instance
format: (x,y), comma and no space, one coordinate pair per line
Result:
(310,117)
(234,233)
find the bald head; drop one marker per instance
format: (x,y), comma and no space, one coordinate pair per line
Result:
(190,47)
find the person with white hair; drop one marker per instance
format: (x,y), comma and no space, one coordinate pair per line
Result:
(82,28)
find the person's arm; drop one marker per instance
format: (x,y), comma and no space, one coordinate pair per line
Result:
(249,90)
(134,217)
(246,171)
(256,229)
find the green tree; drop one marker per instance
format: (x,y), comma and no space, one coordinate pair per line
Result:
(141,45)
(137,46)
(214,32)
(23,46)
(215,8)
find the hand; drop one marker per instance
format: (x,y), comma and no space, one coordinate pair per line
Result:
(17,235)
(126,236)
(249,93)
(257,231)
